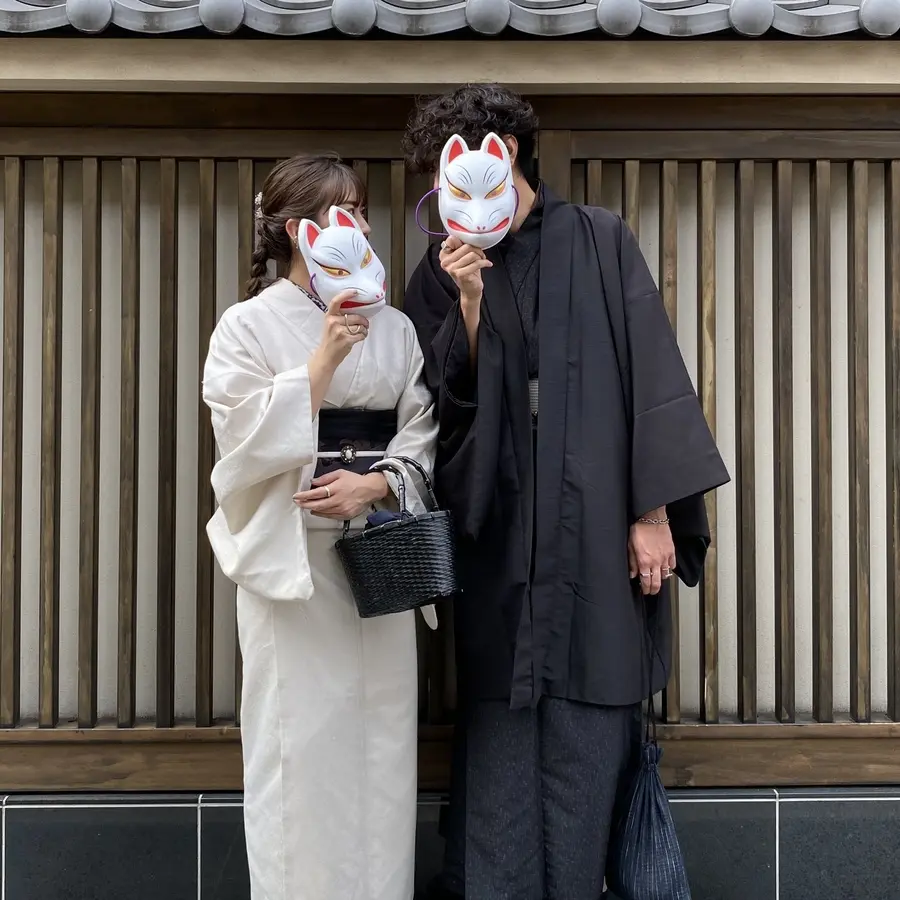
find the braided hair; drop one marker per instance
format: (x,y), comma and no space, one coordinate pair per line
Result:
(299,188)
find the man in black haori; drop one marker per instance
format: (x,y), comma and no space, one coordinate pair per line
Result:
(574,456)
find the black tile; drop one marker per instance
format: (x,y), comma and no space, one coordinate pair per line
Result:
(838,848)
(89,853)
(728,846)
(223,853)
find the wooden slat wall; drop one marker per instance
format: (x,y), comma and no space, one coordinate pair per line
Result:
(820,374)
(51,412)
(128,445)
(719,674)
(11,458)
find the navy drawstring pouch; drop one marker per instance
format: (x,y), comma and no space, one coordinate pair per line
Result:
(644,861)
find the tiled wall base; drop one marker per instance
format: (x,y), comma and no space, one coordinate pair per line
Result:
(739,845)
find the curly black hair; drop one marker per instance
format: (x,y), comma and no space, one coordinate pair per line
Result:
(471,111)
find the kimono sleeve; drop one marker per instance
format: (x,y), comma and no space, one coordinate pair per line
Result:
(467,404)
(674,456)
(262,421)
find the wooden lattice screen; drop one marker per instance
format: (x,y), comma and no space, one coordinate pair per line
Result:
(752,229)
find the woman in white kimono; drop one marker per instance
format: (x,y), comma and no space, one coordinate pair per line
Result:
(329,703)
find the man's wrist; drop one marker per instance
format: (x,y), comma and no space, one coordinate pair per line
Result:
(654,517)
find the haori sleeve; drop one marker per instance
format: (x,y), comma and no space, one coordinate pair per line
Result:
(674,457)
(262,421)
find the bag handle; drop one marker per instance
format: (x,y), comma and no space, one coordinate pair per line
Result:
(387,465)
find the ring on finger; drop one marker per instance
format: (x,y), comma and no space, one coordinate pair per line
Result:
(646,574)
(327,492)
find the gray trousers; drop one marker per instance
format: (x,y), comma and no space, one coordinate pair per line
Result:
(541,786)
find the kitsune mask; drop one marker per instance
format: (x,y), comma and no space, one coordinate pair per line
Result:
(476,198)
(339,258)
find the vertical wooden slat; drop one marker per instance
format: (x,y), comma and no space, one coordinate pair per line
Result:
(892,360)
(361,167)
(892,421)
(668,278)
(632,196)
(11,498)
(246,240)
(820,376)
(783,377)
(88,565)
(706,377)
(398,232)
(168,340)
(128,442)
(555,161)
(246,222)
(858,330)
(594,182)
(744,411)
(51,414)
(206,449)
(578,180)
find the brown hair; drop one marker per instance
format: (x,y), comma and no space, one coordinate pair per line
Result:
(299,188)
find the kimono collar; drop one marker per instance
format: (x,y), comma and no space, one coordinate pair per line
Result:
(290,300)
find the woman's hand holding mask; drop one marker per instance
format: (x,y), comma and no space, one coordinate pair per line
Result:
(339,334)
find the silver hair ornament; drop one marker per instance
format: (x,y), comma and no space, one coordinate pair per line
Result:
(257,205)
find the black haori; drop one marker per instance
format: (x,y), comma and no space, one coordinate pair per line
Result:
(404,564)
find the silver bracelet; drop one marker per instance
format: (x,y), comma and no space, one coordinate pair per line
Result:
(645,520)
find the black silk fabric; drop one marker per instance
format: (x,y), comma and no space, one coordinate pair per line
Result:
(547,607)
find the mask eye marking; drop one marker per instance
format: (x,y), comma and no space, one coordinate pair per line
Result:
(366,259)
(459,194)
(497,191)
(335,272)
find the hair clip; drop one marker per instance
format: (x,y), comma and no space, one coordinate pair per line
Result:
(257,204)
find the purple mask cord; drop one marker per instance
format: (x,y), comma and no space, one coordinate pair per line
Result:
(418,211)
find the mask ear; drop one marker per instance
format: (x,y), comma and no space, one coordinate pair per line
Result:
(340,218)
(493,146)
(307,235)
(454,148)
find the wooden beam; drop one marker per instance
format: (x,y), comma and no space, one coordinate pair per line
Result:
(196,143)
(362,113)
(732,145)
(427,65)
(209,759)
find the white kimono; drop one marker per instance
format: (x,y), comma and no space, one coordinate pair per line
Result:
(329,706)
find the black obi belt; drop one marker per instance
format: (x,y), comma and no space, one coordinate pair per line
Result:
(353,439)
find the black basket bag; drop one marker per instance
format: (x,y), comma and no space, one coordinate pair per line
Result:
(404,564)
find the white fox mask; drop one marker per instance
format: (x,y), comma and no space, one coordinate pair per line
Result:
(339,258)
(476,198)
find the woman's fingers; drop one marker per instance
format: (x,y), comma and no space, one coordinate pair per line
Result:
(334,308)
(354,322)
(655,579)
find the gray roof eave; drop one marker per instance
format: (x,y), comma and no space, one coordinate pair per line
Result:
(425,18)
